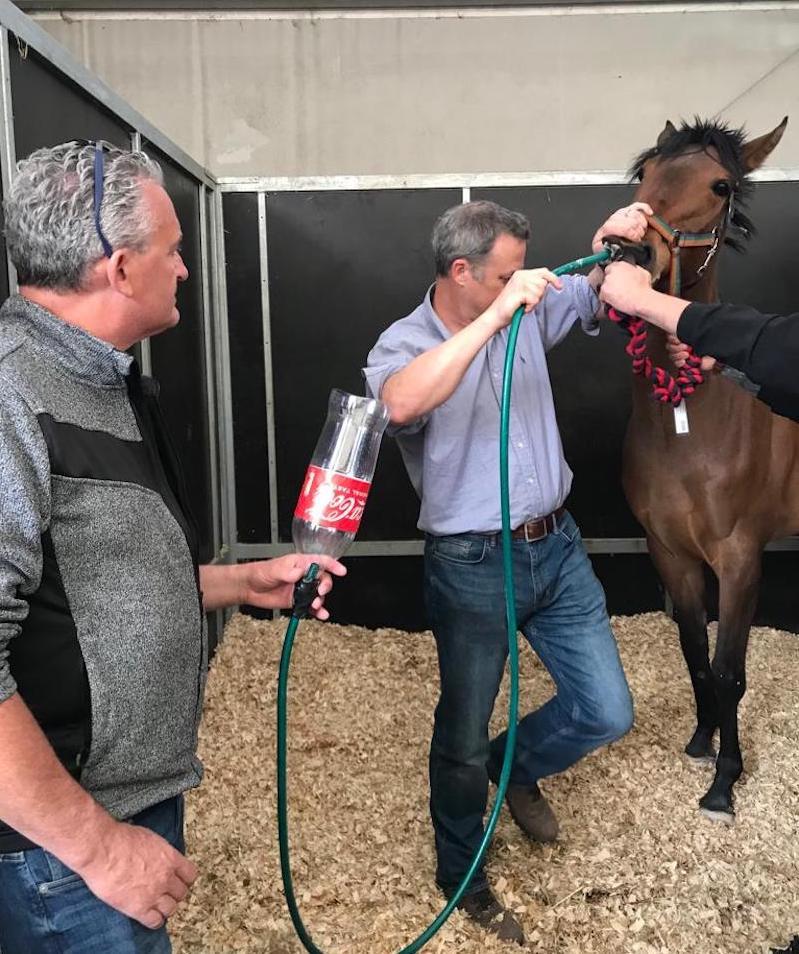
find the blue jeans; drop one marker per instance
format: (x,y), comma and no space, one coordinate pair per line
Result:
(560,609)
(45,908)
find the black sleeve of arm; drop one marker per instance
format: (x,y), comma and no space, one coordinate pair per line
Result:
(764,347)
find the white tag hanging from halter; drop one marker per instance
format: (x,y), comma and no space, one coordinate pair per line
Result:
(681,418)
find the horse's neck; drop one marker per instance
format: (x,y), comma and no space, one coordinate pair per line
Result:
(705,289)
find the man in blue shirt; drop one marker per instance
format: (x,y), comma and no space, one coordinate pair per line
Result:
(440,370)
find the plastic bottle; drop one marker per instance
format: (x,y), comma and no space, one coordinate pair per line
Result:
(337,482)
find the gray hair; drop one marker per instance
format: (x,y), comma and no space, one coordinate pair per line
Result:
(470,230)
(49,211)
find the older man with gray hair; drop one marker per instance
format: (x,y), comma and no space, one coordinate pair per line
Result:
(103,648)
(440,372)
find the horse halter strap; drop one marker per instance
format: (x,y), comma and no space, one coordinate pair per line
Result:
(677,241)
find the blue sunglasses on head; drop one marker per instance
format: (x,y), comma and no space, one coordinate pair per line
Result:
(99,173)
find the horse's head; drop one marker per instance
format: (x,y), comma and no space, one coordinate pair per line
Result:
(696,179)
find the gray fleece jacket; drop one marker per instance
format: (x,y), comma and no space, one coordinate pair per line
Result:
(101,625)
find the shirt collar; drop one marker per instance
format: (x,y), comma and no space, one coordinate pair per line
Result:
(430,315)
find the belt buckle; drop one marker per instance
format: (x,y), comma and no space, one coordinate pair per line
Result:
(540,536)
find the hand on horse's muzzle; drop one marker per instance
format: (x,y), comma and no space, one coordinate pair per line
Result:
(625,287)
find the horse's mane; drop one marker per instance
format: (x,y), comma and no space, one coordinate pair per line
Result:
(728,144)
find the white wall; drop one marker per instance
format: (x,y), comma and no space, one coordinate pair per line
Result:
(401,92)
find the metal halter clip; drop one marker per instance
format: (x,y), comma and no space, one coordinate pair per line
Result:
(713,249)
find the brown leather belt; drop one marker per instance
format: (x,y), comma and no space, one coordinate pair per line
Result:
(537,529)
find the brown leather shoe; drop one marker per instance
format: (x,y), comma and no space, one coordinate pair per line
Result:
(485,908)
(532,812)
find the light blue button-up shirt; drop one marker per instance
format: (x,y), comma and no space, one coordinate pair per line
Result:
(452,453)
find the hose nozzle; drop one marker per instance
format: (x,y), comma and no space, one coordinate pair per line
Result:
(305,592)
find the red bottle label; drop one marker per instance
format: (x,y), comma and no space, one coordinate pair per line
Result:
(332,500)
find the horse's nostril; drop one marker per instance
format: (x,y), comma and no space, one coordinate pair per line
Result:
(639,254)
(647,255)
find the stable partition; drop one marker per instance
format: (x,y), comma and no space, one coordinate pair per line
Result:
(46,98)
(316,269)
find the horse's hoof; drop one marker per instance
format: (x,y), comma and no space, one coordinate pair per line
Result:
(726,818)
(717,806)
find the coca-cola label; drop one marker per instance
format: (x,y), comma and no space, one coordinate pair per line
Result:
(332,500)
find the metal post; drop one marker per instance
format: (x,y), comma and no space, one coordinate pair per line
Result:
(8,152)
(203,194)
(227,475)
(268,375)
(145,350)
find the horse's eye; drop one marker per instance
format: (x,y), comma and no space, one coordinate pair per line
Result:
(722,188)
(639,175)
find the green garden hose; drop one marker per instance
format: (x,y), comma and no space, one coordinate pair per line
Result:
(513,652)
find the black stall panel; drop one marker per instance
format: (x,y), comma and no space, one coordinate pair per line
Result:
(590,375)
(49,108)
(380,591)
(342,267)
(247,380)
(765,275)
(630,582)
(179,358)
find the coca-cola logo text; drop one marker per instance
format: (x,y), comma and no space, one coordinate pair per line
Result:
(332,500)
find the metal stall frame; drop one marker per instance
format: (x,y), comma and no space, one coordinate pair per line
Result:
(262,187)
(29,35)
(8,152)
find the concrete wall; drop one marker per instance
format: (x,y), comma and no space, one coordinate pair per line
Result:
(401,92)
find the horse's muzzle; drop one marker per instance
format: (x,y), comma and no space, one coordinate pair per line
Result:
(636,253)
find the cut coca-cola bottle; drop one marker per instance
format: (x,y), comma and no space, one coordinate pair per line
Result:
(336,485)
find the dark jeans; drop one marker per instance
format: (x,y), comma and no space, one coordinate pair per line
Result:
(560,608)
(45,908)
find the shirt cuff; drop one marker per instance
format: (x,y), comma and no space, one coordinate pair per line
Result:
(589,320)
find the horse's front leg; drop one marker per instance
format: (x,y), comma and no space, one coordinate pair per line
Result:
(683,577)
(738,590)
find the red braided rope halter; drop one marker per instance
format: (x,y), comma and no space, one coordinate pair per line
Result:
(665,387)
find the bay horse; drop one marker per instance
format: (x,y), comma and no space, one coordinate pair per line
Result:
(719,493)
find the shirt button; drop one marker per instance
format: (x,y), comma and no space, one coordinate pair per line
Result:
(530,480)
(520,444)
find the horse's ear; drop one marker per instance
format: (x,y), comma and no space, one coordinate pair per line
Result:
(668,130)
(756,151)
